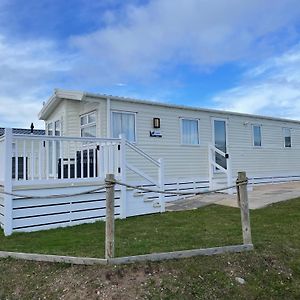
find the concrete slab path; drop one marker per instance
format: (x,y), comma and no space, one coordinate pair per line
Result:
(261,196)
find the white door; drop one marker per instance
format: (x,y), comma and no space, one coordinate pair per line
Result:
(220,141)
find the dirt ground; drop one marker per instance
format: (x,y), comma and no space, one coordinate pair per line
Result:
(261,196)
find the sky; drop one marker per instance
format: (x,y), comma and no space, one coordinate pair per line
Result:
(238,55)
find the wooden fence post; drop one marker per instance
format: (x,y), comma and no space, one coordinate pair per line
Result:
(7,168)
(110,217)
(242,194)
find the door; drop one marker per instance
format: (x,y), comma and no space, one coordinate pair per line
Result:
(220,141)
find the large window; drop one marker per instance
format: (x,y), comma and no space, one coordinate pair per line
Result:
(287,137)
(124,123)
(88,125)
(256,135)
(190,132)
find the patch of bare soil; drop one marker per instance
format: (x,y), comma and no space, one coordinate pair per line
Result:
(49,281)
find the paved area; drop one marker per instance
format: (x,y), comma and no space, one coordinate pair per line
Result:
(260,196)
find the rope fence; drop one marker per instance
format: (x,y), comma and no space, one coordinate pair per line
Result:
(177,193)
(242,197)
(24,197)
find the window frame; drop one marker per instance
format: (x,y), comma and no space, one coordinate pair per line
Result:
(52,144)
(253,138)
(181,131)
(283,134)
(88,125)
(58,127)
(124,112)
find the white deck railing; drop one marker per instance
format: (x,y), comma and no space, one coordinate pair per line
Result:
(37,164)
(38,159)
(2,155)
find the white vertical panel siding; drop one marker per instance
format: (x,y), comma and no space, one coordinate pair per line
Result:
(46,213)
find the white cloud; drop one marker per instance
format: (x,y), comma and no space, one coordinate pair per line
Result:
(27,70)
(272,88)
(142,41)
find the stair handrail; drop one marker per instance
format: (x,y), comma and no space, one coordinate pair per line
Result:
(158,163)
(218,150)
(212,162)
(142,153)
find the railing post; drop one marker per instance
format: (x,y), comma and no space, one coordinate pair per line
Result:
(7,167)
(210,168)
(242,195)
(229,174)
(110,217)
(123,213)
(161,182)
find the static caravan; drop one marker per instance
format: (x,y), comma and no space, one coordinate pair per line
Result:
(203,147)
(156,145)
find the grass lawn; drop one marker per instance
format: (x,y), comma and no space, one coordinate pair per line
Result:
(271,271)
(208,227)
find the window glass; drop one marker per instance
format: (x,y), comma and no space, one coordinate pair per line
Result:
(123,123)
(256,135)
(189,132)
(88,125)
(50,129)
(287,138)
(57,128)
(89,131)
(92,118)
(83,120)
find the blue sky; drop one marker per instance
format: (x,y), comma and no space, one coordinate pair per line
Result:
(236,55)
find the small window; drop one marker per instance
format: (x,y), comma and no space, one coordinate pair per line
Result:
(50,129)
(256,135)
(57,128)
(190,132)
(124,123)
(287,137)
(88,125)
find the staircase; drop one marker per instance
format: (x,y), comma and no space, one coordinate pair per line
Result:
(219,180)
(139,202)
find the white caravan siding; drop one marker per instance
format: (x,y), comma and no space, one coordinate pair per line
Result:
(191,161)
(181,161)
(272,158)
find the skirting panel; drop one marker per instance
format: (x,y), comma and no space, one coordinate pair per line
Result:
(46,213)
